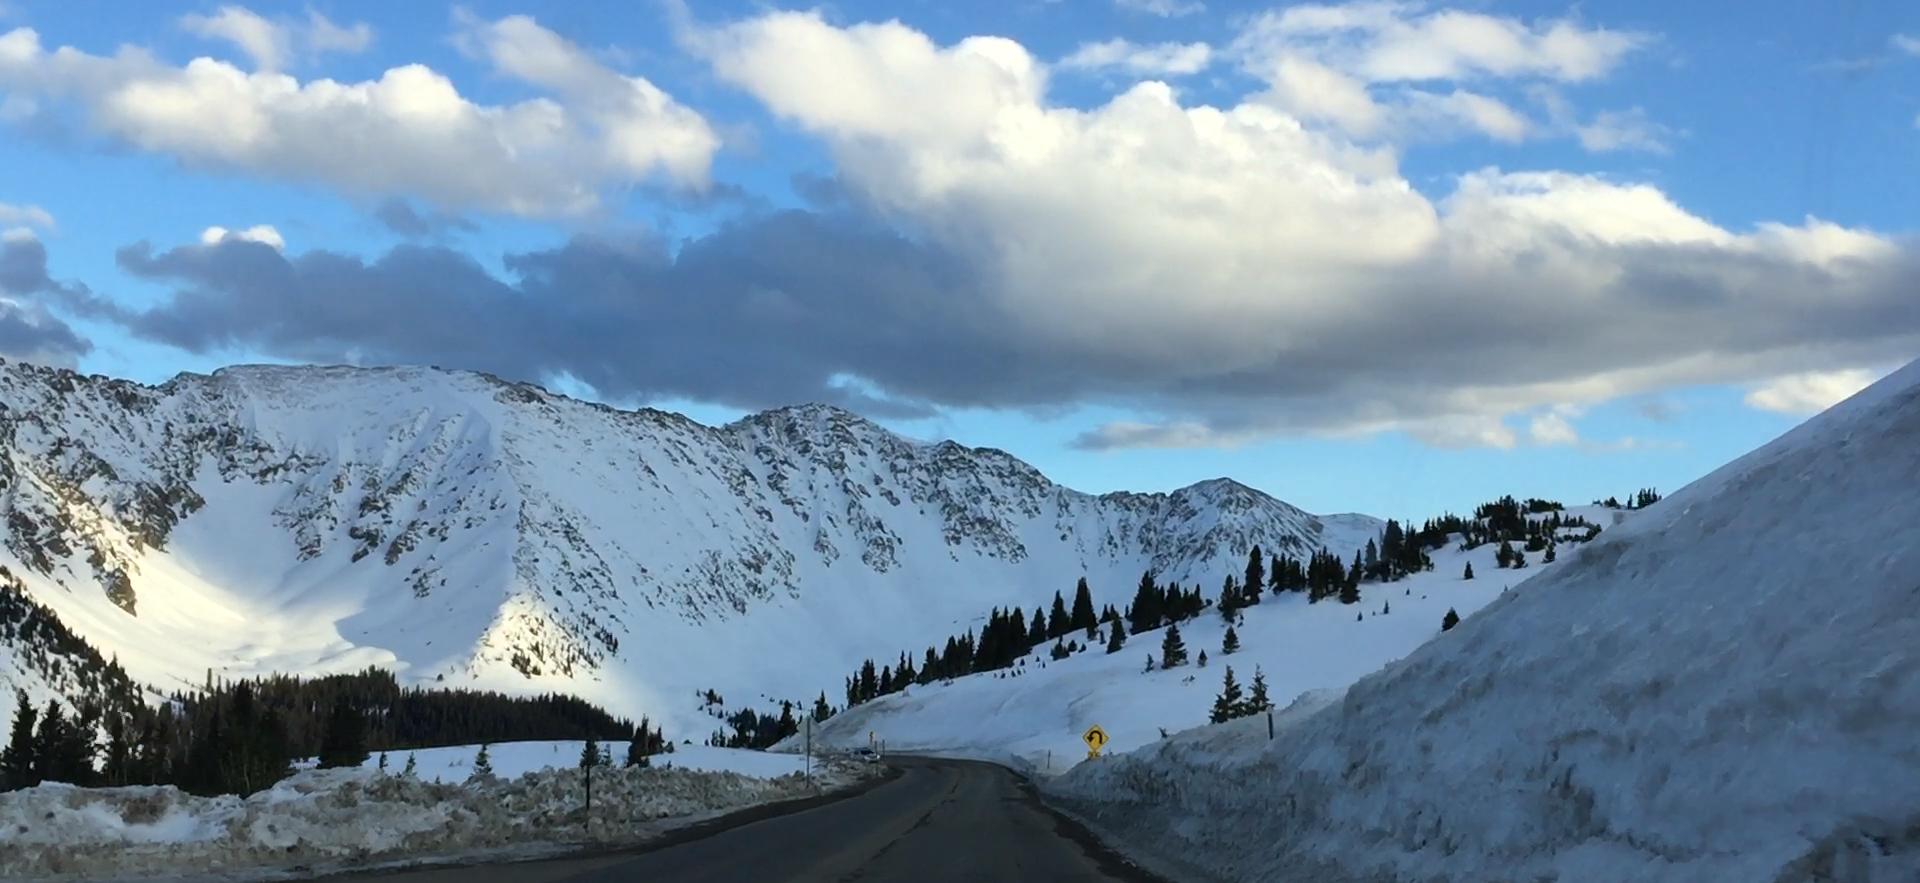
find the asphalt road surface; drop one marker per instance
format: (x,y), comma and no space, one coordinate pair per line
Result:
(937,822)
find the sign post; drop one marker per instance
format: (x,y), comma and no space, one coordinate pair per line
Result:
(806,726)
(1096,739)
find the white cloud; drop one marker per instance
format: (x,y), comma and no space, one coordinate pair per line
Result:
(17,234)
(1159,59)
(409,132)
(1242,270)
(1553,428)
(1907,44)
(1163,8)
(325,36)
(262,233)
(1809,393)
(1370,67)
(1623,130)
(265,41)
(26,215)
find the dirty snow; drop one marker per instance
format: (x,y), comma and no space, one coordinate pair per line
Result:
(510,759)
(1725,688)
(319,820)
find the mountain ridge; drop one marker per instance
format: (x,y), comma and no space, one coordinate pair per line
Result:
(462,528)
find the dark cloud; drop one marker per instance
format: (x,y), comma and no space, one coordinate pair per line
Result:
(785,307)
(28,331)
(401,217)
(766,312)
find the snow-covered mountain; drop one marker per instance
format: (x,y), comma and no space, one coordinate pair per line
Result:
(460,529)
(1724,687)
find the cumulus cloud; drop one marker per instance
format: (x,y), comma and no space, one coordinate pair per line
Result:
(1371,68)
(1810,392)
(1159,59)
(1225,273)
(1163,8)
(410,132)
(1907,44)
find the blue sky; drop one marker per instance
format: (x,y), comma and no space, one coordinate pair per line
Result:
(1387,257)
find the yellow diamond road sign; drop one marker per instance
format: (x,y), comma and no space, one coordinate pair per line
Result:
(1095,738)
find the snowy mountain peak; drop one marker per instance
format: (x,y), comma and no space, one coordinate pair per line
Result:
(451,525)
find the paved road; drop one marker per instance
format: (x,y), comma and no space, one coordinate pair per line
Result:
(937,822)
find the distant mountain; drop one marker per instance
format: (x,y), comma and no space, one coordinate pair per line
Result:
(464,530)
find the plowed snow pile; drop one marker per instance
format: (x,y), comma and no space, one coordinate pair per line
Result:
(1726,688)
(324,819)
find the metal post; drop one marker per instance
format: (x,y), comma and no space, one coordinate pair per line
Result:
(809,749)
(1269,726)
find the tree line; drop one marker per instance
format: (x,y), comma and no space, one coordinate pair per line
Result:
(239,737)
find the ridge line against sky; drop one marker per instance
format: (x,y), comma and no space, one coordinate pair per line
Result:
(1379,256)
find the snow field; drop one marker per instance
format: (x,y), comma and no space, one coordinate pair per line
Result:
(1034,719)
(319,820)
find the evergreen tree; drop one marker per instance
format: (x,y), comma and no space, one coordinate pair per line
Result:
(1519,559)
(1059,651)
(1150,664)
(1116,636)
(1449,621)
(1144,614)
(411,769)
(1230,601)
(1173,651)
(1202,660)
(590,753)
(1226,706)
(1037,628)
(1350,592)
(117,763)
(1230,644)
(17,762)
(383,761)
(1256,578)
(1059,624)
(345,740)
(1083,616)
(1469,573)
(482,765)
(1549,557)
(1258,702)
(822,711)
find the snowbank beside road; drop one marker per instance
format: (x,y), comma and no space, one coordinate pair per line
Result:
(330,819)
(1726,687)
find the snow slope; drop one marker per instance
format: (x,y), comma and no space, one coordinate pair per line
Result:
(1037,713)
(1726,687)
(462,530)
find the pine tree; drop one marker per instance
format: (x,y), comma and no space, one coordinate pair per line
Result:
(1226,706)
(1469,573)
(1230,599)
(1083,616)
(1230,644)
(1202,660)
(1549,557)
(345,741)
(1116,636)
(383,761)
(482,765)
(17,762)
(1449,621)
(822,711)
(1058,623)
(1256,577)
(1350,592)
(1173,651)
(411,769)
(1258,702)
(590,753)
(1150,665)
